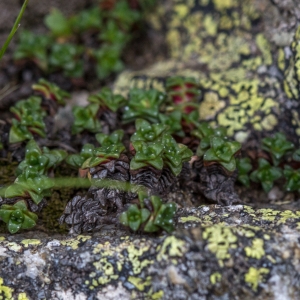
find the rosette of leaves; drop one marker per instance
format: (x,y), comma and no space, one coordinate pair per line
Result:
(277,146)
(67,57)
(108,58)
(51,91)
(40,161)
(147,132)
(17,216)
(147,154)
(76,160)
(173,121)
(29,120)
(112,35)
(106,99)
(34,47)
(88,19)
(222,152)
(266,174)
(151,215)
(183,92)
(30,184)
(124,15)
(292,178)
(244,166)
(174,154)
(108,140)
(143,104)
(58,24)
(86,118)
(204,132)
(104,154)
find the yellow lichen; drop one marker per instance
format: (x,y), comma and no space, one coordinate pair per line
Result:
(189,219)
(215,277)
(5,291)
(220,240)
(139,283)
(171,247)
(256,251)
(255,276)
(28,242)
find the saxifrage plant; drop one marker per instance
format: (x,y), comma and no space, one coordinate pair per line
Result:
(266,174)
(223,152)
(143,104)
(51,91)
(292,178)
(86,118)
(151,215)
(17,216)
(277,146)
(29,120)
(244,166)
(40,161)
(106,99)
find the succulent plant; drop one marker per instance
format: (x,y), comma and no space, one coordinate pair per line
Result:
(106,99)
(174,154)
(17,216)
(223,152)
(87,19)
(58,24)
(183,92)
(76,160)
(29,120)
(112,35)
(244,166)
(292,178)
(104,154)
(150,216)
(38,160)
(66,57)
(277,146)
(108,140)
(204,132)
(147,154)
(34,47)
(143,104)
(108,59)
(30,185)
(51,91)
(266,174)
(85,118)
(173,121)
(146,132)
(124,15)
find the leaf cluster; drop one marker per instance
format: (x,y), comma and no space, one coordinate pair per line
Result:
(150,216)
(28,120)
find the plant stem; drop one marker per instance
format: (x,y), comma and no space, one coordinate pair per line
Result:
(69,182)
(14,29)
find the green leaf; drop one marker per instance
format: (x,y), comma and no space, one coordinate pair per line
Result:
(13,227)
(145,213)
(230,166)
(5,214)
(58,23)
(124,218)
(14,190)
(21,205)
(150,227)
(28,222)
(93,162)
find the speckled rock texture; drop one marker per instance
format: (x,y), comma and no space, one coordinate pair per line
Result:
(246,57)
(235,252)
